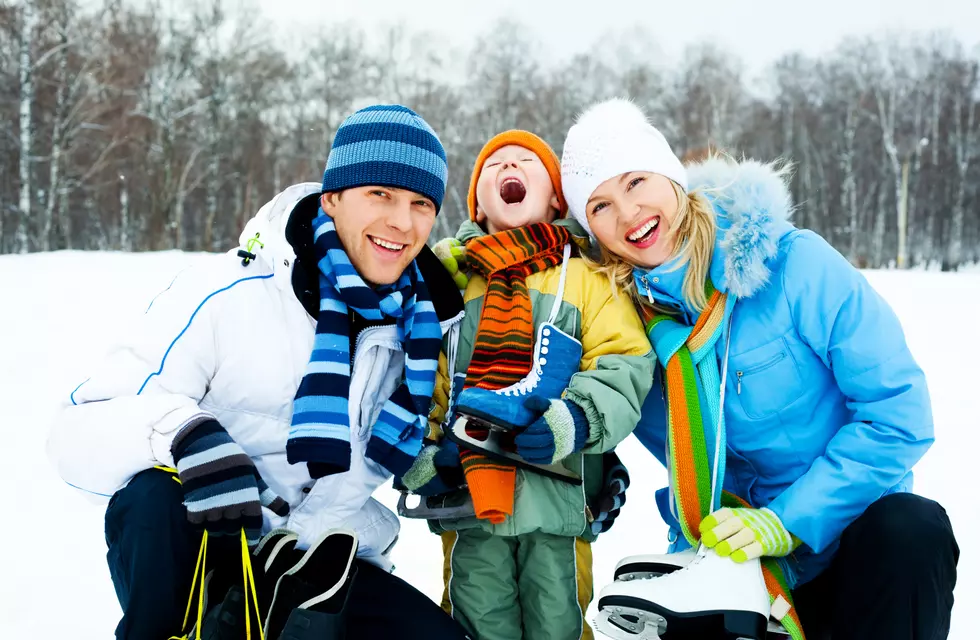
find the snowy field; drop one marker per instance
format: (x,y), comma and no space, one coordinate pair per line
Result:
(58,311)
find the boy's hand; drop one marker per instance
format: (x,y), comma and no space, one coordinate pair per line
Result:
(452,254)
(559,432)
(615,481)
(436,470)
(745,534)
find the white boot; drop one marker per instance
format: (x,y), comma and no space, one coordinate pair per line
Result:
(713,597)
(652,565)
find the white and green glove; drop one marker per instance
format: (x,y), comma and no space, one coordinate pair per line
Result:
(745,534)
(452,254)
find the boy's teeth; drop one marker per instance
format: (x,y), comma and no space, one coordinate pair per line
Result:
(387,245)
(645,229)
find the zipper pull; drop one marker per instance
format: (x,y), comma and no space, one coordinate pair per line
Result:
(738,388)
(647,285)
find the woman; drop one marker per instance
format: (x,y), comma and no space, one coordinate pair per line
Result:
(824,409)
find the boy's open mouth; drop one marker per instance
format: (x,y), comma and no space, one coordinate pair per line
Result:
(512,191)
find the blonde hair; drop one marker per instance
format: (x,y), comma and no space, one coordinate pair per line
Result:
(694,226)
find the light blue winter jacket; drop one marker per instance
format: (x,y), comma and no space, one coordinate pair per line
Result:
(826,409)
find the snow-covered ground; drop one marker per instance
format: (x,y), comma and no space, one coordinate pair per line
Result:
(58,311)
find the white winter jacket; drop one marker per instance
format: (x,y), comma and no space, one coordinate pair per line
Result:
(232,342)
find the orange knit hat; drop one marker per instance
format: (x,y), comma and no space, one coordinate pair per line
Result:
(530,142)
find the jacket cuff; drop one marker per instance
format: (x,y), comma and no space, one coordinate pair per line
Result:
(164,432)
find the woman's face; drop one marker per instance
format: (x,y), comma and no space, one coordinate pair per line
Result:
(632,216)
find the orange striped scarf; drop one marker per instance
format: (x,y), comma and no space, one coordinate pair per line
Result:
(504,342)
(690,466)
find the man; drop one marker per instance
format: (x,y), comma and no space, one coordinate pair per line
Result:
(284,384)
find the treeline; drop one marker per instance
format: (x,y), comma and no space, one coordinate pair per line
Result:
(134,127)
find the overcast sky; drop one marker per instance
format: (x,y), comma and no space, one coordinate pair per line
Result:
(758,30)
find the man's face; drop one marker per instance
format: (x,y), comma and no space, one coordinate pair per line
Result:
(382,228)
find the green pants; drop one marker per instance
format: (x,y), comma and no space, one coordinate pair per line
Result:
(535,586)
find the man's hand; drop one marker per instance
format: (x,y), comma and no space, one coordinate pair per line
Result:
(223,492)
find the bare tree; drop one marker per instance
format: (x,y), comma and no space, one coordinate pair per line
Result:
(152,125)
(27,24)
(964,141)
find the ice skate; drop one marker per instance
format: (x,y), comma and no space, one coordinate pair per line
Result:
(485,416)
(273,555)
(451,506)
(556,359)
(652,565)
(712,597)
(319,582)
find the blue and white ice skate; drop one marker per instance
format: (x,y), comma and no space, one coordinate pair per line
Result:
(556,359)
(487,420)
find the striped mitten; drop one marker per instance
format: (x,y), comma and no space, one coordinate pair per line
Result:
(222,489)
(745,534)
(558,433)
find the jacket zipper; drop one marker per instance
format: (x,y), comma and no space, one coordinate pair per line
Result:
(759,367)
(357,343)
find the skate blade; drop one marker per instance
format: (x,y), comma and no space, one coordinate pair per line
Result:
(491,448)
(776,631)
(634,620)
(627,623)
(426,510)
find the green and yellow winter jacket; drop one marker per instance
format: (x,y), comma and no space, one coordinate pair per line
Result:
(615,375)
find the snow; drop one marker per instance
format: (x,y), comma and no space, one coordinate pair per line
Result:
(61,309)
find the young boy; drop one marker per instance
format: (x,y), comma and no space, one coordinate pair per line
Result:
(522,567)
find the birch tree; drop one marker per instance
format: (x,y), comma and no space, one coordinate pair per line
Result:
(27,23)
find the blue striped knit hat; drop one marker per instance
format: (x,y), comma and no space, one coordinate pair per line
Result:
(389,146)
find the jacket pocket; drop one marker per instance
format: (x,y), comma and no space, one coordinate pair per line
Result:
(767,379)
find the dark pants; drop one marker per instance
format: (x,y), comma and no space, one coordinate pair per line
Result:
(892,578)
(152,551)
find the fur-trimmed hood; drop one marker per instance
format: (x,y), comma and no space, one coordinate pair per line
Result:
(753,205)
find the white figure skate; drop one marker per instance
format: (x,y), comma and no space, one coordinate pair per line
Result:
(712,597)
(652,565)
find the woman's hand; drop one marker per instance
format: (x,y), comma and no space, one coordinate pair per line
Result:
(745,534)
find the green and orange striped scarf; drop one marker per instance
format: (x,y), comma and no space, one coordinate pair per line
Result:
(694,413)
(504,344)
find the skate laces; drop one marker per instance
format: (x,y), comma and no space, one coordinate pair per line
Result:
(248,583)
(202,555)
(172,470)
(695,561)
(525,385)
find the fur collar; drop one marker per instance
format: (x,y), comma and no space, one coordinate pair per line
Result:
(753,207)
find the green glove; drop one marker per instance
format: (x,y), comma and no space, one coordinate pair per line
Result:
(436,470)
(452,254)
(745,534)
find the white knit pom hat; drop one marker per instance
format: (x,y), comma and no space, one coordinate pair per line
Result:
(609,139)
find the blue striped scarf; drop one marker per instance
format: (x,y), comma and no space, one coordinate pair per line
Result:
(320,433)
